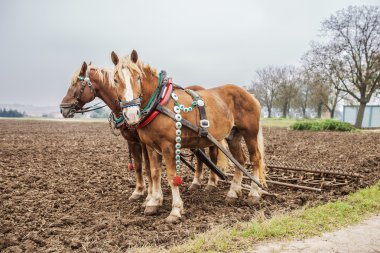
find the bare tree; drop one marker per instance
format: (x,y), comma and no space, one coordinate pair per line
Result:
(319,95)
(323,84)
(288,89)
(265,87)
(304,91)
(334,94)
(351,55)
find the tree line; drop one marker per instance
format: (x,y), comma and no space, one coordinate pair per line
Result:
(11,113)
(344,66)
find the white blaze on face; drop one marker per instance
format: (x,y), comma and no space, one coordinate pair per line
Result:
(131,113)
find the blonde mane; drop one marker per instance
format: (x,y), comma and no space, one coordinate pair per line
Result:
(126,63)
(105,75)
(148,69)
(138,67)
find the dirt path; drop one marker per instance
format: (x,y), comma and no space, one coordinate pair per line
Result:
(364,237)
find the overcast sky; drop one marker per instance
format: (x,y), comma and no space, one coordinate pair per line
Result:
(197,42)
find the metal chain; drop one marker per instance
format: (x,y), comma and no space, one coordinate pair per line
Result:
(177,110)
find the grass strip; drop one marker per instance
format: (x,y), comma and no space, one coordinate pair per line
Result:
(303,223)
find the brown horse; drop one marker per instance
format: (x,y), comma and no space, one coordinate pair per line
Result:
(228,107)
(102,85)
(217,157)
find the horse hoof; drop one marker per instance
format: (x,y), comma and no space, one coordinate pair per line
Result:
(172,219)
(210,188)
(231,200)
(151,210)
(194,187)
(254,200)
(135,197)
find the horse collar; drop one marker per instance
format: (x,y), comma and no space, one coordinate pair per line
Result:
(162,97)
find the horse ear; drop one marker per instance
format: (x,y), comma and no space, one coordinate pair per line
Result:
(115,58)
(83,69)
(134,56)
(89,64)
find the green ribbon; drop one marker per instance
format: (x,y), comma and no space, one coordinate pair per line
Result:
(152,97)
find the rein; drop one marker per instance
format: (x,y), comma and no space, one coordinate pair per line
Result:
(90,108)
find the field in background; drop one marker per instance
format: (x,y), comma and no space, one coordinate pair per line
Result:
(266,122)
(277,122)
(57,119)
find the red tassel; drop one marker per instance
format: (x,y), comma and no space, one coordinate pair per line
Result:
(177,181)
(130,166)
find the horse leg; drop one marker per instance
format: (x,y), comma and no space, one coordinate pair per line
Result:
(237,151)
(177,203)
(156,198)
(221,161)
(147,173)
(198,176)
(213,178)
(255,145)
(135,149)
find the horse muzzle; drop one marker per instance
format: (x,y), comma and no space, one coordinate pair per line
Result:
(131,116)
(67,110)
(67,113)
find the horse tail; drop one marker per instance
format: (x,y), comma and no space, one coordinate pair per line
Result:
(260,142)
(223,161)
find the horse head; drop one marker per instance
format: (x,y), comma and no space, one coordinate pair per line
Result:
(128,75)
(80,92)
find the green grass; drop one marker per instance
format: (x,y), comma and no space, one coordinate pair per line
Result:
(277,122)
(322,125)
(297,224)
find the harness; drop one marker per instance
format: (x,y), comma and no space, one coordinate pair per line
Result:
(161,96)
(115,123)
(159,99)
(204,124)
(75,108)
(157,104)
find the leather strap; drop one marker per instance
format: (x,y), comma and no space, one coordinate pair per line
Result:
(203,122)
(163,100)
(211,138)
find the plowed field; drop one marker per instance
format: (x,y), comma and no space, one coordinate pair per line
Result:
(64,186)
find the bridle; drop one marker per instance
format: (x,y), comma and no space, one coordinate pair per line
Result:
(149,111)
(135,101)
(75,107)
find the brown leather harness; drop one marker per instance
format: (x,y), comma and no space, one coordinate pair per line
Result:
(75,107)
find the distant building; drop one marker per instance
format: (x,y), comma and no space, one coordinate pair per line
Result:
(371,115)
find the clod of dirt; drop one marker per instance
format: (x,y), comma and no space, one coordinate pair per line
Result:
(75,244)
(7,241)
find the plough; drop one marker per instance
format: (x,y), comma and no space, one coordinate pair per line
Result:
(285,174)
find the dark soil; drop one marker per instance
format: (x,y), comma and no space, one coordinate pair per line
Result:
(65,186)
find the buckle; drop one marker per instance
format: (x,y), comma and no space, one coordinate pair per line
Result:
(204,123)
